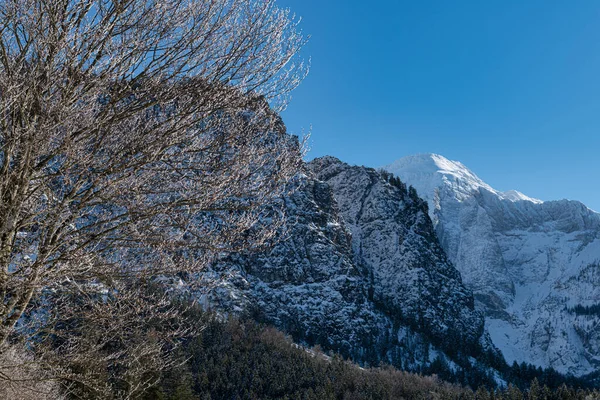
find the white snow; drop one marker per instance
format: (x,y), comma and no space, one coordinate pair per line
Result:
(426,172)
(514,195)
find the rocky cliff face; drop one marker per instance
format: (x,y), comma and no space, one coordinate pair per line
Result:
(394,242)
(532,265)
(359,271)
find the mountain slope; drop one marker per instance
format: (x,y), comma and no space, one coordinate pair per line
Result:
(359,271)
(530,263)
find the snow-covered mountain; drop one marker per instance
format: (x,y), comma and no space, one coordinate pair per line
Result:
(359,271)
(533,266)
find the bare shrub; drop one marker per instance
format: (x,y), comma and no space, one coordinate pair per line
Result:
(22,379)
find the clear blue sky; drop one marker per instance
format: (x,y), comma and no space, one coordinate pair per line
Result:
(510,88)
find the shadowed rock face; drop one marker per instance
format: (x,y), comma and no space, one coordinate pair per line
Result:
(528,262)
(394,241)
(359,270)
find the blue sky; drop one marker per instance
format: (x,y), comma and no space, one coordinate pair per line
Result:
(509,88)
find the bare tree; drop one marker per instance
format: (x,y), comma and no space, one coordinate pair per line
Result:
(136,139)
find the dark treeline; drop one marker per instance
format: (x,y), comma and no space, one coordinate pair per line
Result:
(586,310)
(244,360)
(519,375)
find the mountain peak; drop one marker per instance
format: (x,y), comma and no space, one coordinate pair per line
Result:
(429,171)
(432,163)
(426,172)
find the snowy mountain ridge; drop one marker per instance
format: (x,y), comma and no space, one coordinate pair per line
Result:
(529,263)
